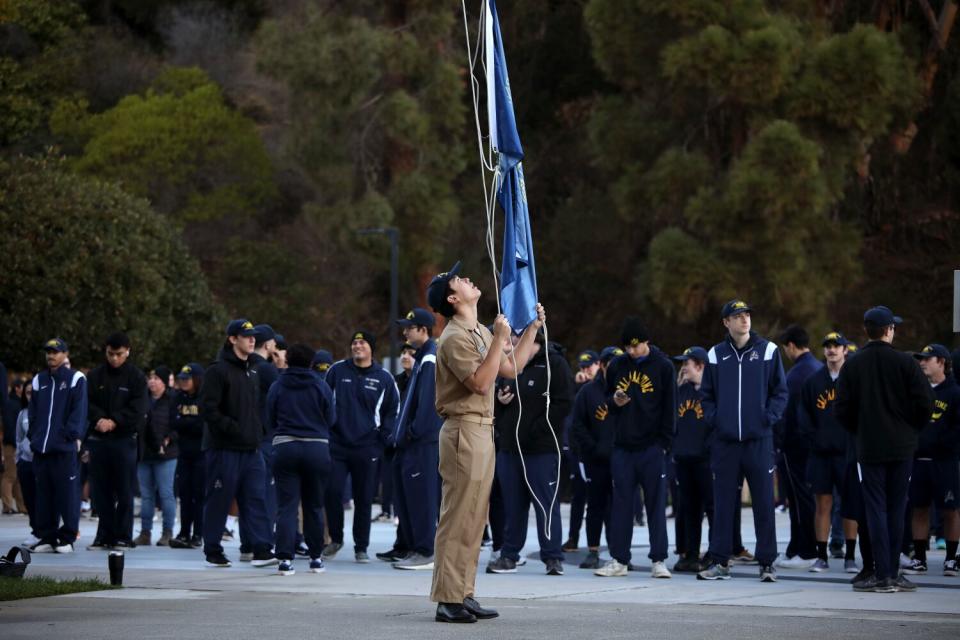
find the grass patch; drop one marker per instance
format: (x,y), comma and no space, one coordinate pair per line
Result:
(42,586)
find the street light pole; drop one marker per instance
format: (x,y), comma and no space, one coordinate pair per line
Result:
(394,237)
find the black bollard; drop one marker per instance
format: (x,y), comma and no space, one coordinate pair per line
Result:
(115,563)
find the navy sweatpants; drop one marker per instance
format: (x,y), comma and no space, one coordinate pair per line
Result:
(599,496)
(58,497)
(28,485)
(542,475)
(754,459)
(885,487)
(240,475)
(113,481)
(191,486)
(362,467)
(269,485)
(647,468)
(401,541)
(695,487)
(301,470)
(417,495)
(802,505)
(578,493)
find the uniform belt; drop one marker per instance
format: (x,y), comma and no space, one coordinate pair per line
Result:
(472,419)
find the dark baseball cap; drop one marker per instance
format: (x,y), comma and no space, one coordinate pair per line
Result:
(241,327)
(732,307)
(609,353)
(322,360)
(834,337)
(933,350)
(417,317)
(588,358)
(881,316)
(56,344)
(408,347)
(265,332)
(693,353)
(190,370)
(437,291)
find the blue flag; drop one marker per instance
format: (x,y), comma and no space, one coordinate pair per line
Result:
(518,277)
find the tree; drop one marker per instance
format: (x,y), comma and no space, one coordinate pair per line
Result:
(83,259)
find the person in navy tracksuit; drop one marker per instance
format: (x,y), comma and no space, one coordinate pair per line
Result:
(231,439)
(642,394)
(691,454)
(300,411)
(591,436)
(744,394)
(588,365)
(416,438)
(367,403)
(188,424)
(58,422)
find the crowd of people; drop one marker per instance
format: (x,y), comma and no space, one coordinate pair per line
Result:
(862,445)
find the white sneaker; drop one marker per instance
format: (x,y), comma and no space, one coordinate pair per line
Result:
(796,562)
(32,540)
(64,548)
(659,570)
(42,548)
(246,556)
(612,569)
(905,561)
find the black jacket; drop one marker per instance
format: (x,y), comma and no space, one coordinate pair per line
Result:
(650,416)
(229,401)
(693,433)
(818,424)
(187,423)
(119,394)
(535,435)
(940,437)
(157,429)
(884,398)
(591,433)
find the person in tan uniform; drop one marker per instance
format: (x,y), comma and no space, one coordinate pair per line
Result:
(469,359)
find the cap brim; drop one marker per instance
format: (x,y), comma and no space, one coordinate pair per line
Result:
(403,322)
(454,270)
(897,320)
(681,358)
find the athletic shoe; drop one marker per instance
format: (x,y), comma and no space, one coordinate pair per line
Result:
(659,570)
(64,548)
(612,569)
(302,550)
(632,567)
(571,545)
(196,542)
(98,545)
(744,557)
(521,561)
(820,566)
(869,581)
(227,535)
(768,573)
(903,584)
(592,561)
(383,517)
(639,520)
(218,560)
(331,549)
(393,555)
(796,562)
(950,568)
(905,561)
(487,540)
(32,540)
(850,566)
(887,585)
(84,507)
(415,562)
(285,568)
(916,568)
(125,544)
(263,559)
(554,567)
(180,542)
(316,566)
(502,565)
(836,549)
(715,572)
(361,557)
(246,556)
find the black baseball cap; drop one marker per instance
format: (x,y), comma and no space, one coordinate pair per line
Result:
(587,358)
(693,353)
(56,344)
(609,353)
(190,370)
(437,291)
(322,360)
(881,316)
(933,350)
(834,337)
(732,307)
(241,327)
(417,317)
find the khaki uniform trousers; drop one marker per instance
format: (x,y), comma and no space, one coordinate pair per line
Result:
(467,460)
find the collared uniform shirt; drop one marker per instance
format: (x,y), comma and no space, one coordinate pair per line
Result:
(460,352)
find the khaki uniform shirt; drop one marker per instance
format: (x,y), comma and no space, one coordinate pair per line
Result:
(460,352)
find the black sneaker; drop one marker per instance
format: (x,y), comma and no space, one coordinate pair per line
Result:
(196,542)
(393,555)
(903,584)
(554,567)
(768,573)
(502,565)
(864,573)
(125,544)
(263,559)
(867,583)
(836,549)
(592,561)
(887,585)
(302,550)
(218,560)
(180,542)
(916,568)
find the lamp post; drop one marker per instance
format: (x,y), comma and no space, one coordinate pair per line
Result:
(394,236)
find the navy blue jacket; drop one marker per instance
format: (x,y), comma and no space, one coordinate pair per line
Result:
(745,391)
(787,429)
(267,374)
(591,433)
(300,404)
(187,422)
(650,416)
(817,424)
(419,420)
(693,434)
(367,403)
(57,411)
(940,438)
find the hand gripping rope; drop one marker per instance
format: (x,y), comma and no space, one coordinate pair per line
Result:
(488,165)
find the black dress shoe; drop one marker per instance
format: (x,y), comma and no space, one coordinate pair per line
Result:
(474,607)
(453,612)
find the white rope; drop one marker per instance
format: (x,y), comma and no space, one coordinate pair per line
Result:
(487,164)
